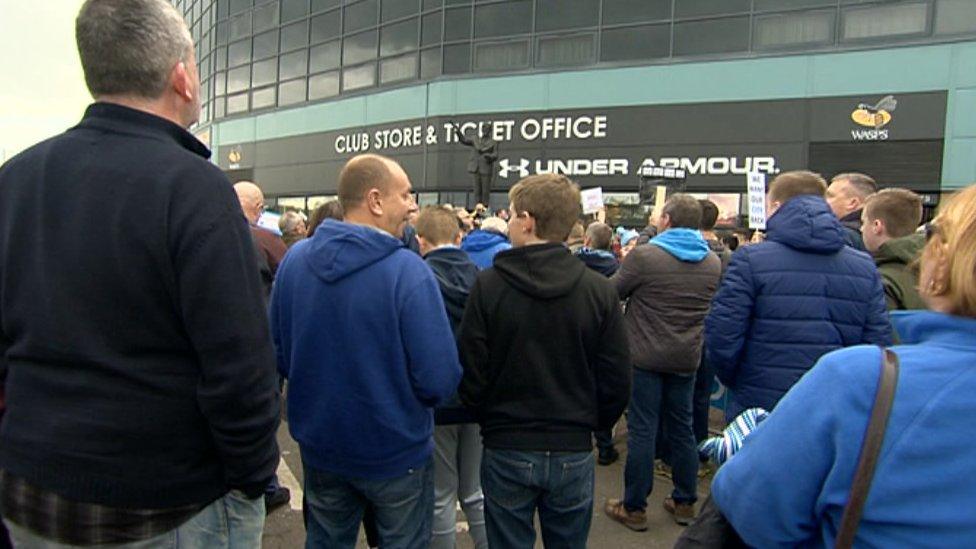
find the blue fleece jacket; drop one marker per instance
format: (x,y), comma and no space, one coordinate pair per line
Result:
(482,246)
(361,334)
(684,244)
(790,481)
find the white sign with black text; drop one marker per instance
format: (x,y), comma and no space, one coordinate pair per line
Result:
(756,185)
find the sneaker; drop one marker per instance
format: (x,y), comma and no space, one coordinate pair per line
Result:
(276,499)
(635,520)
(684,513)
(608,456)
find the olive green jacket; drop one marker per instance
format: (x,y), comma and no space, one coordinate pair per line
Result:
(900,281)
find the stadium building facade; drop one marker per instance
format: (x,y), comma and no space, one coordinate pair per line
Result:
(595,89)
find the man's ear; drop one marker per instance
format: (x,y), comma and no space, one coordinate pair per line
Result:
(374,201)
(457,239)
(424,245)
(181,82)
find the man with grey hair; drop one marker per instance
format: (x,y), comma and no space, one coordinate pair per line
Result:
(292,226)
(846,196)
(138,414)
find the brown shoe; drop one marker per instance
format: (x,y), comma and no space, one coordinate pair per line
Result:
(635,520)
(684,513)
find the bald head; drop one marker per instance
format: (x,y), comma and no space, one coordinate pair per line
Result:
(252,200)
(374,190)
(363,173)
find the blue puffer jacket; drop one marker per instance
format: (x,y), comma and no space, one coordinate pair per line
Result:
(788,301)
(482,246)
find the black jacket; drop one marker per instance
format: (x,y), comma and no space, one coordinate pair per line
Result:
(133,329)
(455,273)
(852,230)
(544,351)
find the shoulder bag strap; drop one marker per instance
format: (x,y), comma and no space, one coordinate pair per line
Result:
(870,449)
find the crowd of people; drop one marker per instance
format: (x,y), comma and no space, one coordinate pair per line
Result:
(436,358)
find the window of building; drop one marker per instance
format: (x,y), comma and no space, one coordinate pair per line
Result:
(457,59)
(398,37)
(564,51)
(777,5)
(885,20)
(240,26)
(643,42)
(495,56)
(430,28)
(794,29)
(220,83)
(220,58)
(396,9)
(237,103)
(323,85)
(221,32)
(292,64)
(239,53)
(237,6)
(566,14)
(457,24)
(325,26)
(324,57)
(432,4)
(634,11)
(699,8)
(266,44)
(264,72)
(360,15)
(238,79)
(503,19)
(294,36)
(955,16)
(399,68)
(430,63)
(322,5)
(359,77)
(262,98)
(220,108)
(266,17)
(291,92)
(293,9)
(711,36)
(359,47)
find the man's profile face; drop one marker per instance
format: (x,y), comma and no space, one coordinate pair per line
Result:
(839,198)
(872,238)
(398,203)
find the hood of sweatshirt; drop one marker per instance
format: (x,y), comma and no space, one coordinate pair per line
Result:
(902,250)
(455,275)
(479,240)
(339,249)
(684,244)
(601,261)
(806,223)
(544,271)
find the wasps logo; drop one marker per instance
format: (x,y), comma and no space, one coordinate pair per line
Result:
(875,116)
(235,155)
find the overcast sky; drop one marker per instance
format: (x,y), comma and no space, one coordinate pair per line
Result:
(42,89)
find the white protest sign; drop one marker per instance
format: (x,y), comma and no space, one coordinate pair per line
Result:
(660,197)
(756,185)
(592,200)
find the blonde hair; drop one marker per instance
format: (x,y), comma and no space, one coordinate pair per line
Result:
(953,246)
(899,209)
(437,225)
(553,200)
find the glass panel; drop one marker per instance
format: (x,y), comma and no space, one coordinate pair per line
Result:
(291,92)
(222,32)
(770,5)
(398,37)
(955,16)
(359,47)
(360,15)
(220,108)
(644,42)
(220,83)
(263,98)
(359,77)
(323,85)
(501,56)
(264,72)
(266,44)
(293,9)
(872,22)
(457,59)
(240,26)
(292,64)
(395,9)
(322,5)
(238,79)
(457,24)
(239,53)
(711,36)
(430,28)
(566,14)
(294,36)
(325,26)
(790,29)
(237,103)
(398,68)
(432,4)
(223,8)
(558,51)
(430,63)
(266,17)
(324,57)
(237,6)
(220,59)
(503,19)
(697,8)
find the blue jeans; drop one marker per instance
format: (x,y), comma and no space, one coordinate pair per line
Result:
(558,484)
(652,396)
(231,522)
(404,507)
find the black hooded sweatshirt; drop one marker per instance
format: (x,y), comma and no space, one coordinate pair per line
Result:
(544,351)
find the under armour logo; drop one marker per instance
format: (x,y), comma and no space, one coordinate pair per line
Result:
(505,167)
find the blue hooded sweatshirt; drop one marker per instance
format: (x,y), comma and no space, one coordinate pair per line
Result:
(684,244)
(361,334)
(786,302)
(483,245)
(788,485)
(601,261)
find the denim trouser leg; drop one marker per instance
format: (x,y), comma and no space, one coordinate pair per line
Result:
(230,522)
(559,484)
(653,396)
(457,475)
(404,506)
